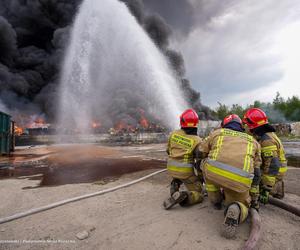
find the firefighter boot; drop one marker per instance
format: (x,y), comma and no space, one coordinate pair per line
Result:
(176,198)
(231,221)
(175,185)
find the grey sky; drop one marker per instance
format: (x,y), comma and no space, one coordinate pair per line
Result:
(236,51)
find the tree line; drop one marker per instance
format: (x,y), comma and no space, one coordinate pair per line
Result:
(279,110)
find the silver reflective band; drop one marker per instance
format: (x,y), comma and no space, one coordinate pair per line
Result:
(229,168)
(179,164)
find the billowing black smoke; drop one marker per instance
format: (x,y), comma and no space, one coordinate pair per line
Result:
(33,37)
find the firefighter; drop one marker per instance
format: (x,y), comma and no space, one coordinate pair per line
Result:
(231,169)
(182,161)
(274,163)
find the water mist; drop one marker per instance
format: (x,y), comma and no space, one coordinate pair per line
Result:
(112,69)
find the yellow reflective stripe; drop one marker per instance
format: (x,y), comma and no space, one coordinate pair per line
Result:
(277,139)
(247,160)
(229,168)
(237,133)
(188,158)
(182,140)
(229,175)
(180,169)
(281,151)
(268,148)
(266,179)
(250,155)
(282,156)
(217,149)
(211,188)
(254,190)
(282,169)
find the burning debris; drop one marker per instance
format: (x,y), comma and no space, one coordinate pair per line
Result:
(31,125)
(31,55)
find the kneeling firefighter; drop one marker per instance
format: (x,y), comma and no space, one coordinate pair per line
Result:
(183,158)
(231,171)
(274,163)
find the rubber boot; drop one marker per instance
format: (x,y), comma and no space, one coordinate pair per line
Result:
(175,185)
(231,221)
(176,198)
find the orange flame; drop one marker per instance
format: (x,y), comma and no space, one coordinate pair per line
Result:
(121,125)
(37,123)
(96,124)
(18,130)
(143,121)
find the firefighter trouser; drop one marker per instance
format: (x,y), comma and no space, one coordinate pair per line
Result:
(194,187)
(278,189)
(242,199)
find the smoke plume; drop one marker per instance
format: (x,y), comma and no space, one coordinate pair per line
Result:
(33,38)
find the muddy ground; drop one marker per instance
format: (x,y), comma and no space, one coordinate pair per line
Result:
(130,218)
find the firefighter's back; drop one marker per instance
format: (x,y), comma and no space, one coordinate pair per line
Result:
(181,148)
(231,159)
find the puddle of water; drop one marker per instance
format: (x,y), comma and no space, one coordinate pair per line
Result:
(293,160)
(87,171)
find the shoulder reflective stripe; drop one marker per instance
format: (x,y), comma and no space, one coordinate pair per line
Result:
(268,148)
(229,175)
(247,160)
(180,169)
(179,164)
(236,133)
(281,150)
(182,140)
(211,188)
(277,139)
(229,168)
(218,146)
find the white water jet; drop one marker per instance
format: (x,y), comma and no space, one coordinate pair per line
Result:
(111,67)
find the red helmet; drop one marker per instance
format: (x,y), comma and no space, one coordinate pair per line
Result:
(231,118)
(255,117)
(189,119)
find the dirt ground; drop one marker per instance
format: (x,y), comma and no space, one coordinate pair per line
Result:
(133,217)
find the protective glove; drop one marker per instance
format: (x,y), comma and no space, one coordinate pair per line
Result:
(264,196)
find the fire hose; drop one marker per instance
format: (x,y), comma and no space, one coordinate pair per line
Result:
(286,206)
(256,221)
(255,218)
(74,199)
(254,230)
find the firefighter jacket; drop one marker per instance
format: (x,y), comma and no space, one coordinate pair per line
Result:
(274,162)
(232,157)
(181,151)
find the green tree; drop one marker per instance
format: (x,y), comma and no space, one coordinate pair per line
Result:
(237,109)
(292,109)
(256,104)
(279,110)
(222,111)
